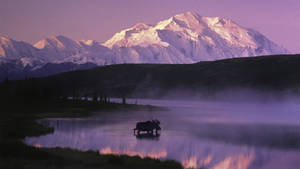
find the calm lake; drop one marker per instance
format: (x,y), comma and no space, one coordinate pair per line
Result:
(198,134)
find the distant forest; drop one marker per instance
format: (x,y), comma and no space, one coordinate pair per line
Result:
(265,74)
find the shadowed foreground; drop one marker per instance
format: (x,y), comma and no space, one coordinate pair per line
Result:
(19,120)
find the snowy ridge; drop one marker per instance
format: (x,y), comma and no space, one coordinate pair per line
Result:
(22,53)
(189,38)
(183,38)
(61,49)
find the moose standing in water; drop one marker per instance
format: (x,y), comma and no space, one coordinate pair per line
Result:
(148,126)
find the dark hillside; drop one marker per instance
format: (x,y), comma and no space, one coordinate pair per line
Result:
(278,73)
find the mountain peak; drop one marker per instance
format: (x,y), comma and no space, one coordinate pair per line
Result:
(89,42)
(4,39)
(59,38)
(141,26)
(55,42)
(188,14)
(189,37)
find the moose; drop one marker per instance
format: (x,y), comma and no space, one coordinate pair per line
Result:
(148,126)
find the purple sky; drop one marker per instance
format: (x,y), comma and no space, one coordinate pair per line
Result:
(32,20)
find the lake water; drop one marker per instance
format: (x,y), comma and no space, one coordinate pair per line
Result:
(197,134)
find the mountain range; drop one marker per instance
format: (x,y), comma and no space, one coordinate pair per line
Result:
(181,39)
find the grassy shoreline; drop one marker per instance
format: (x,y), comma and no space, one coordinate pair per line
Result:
(19,120)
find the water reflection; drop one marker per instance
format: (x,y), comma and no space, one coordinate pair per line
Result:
(153,154)
(239,161)
(209,135)
(148,136)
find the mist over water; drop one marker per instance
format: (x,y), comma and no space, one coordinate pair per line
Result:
(217,135)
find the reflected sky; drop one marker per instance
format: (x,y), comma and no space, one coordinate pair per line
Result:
(198,134)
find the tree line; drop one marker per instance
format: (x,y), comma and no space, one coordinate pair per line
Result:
(30,91)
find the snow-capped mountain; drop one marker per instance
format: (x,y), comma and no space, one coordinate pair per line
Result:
(189,38)
(18,52)
(183,38)
(61,49)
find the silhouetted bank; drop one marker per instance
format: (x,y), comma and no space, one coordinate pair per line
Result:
(18,120)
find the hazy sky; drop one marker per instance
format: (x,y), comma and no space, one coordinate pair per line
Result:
(32,20)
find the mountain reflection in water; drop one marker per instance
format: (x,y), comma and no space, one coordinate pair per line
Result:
(198,134)
(156,155)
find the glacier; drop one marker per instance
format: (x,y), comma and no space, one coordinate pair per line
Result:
(190,38)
